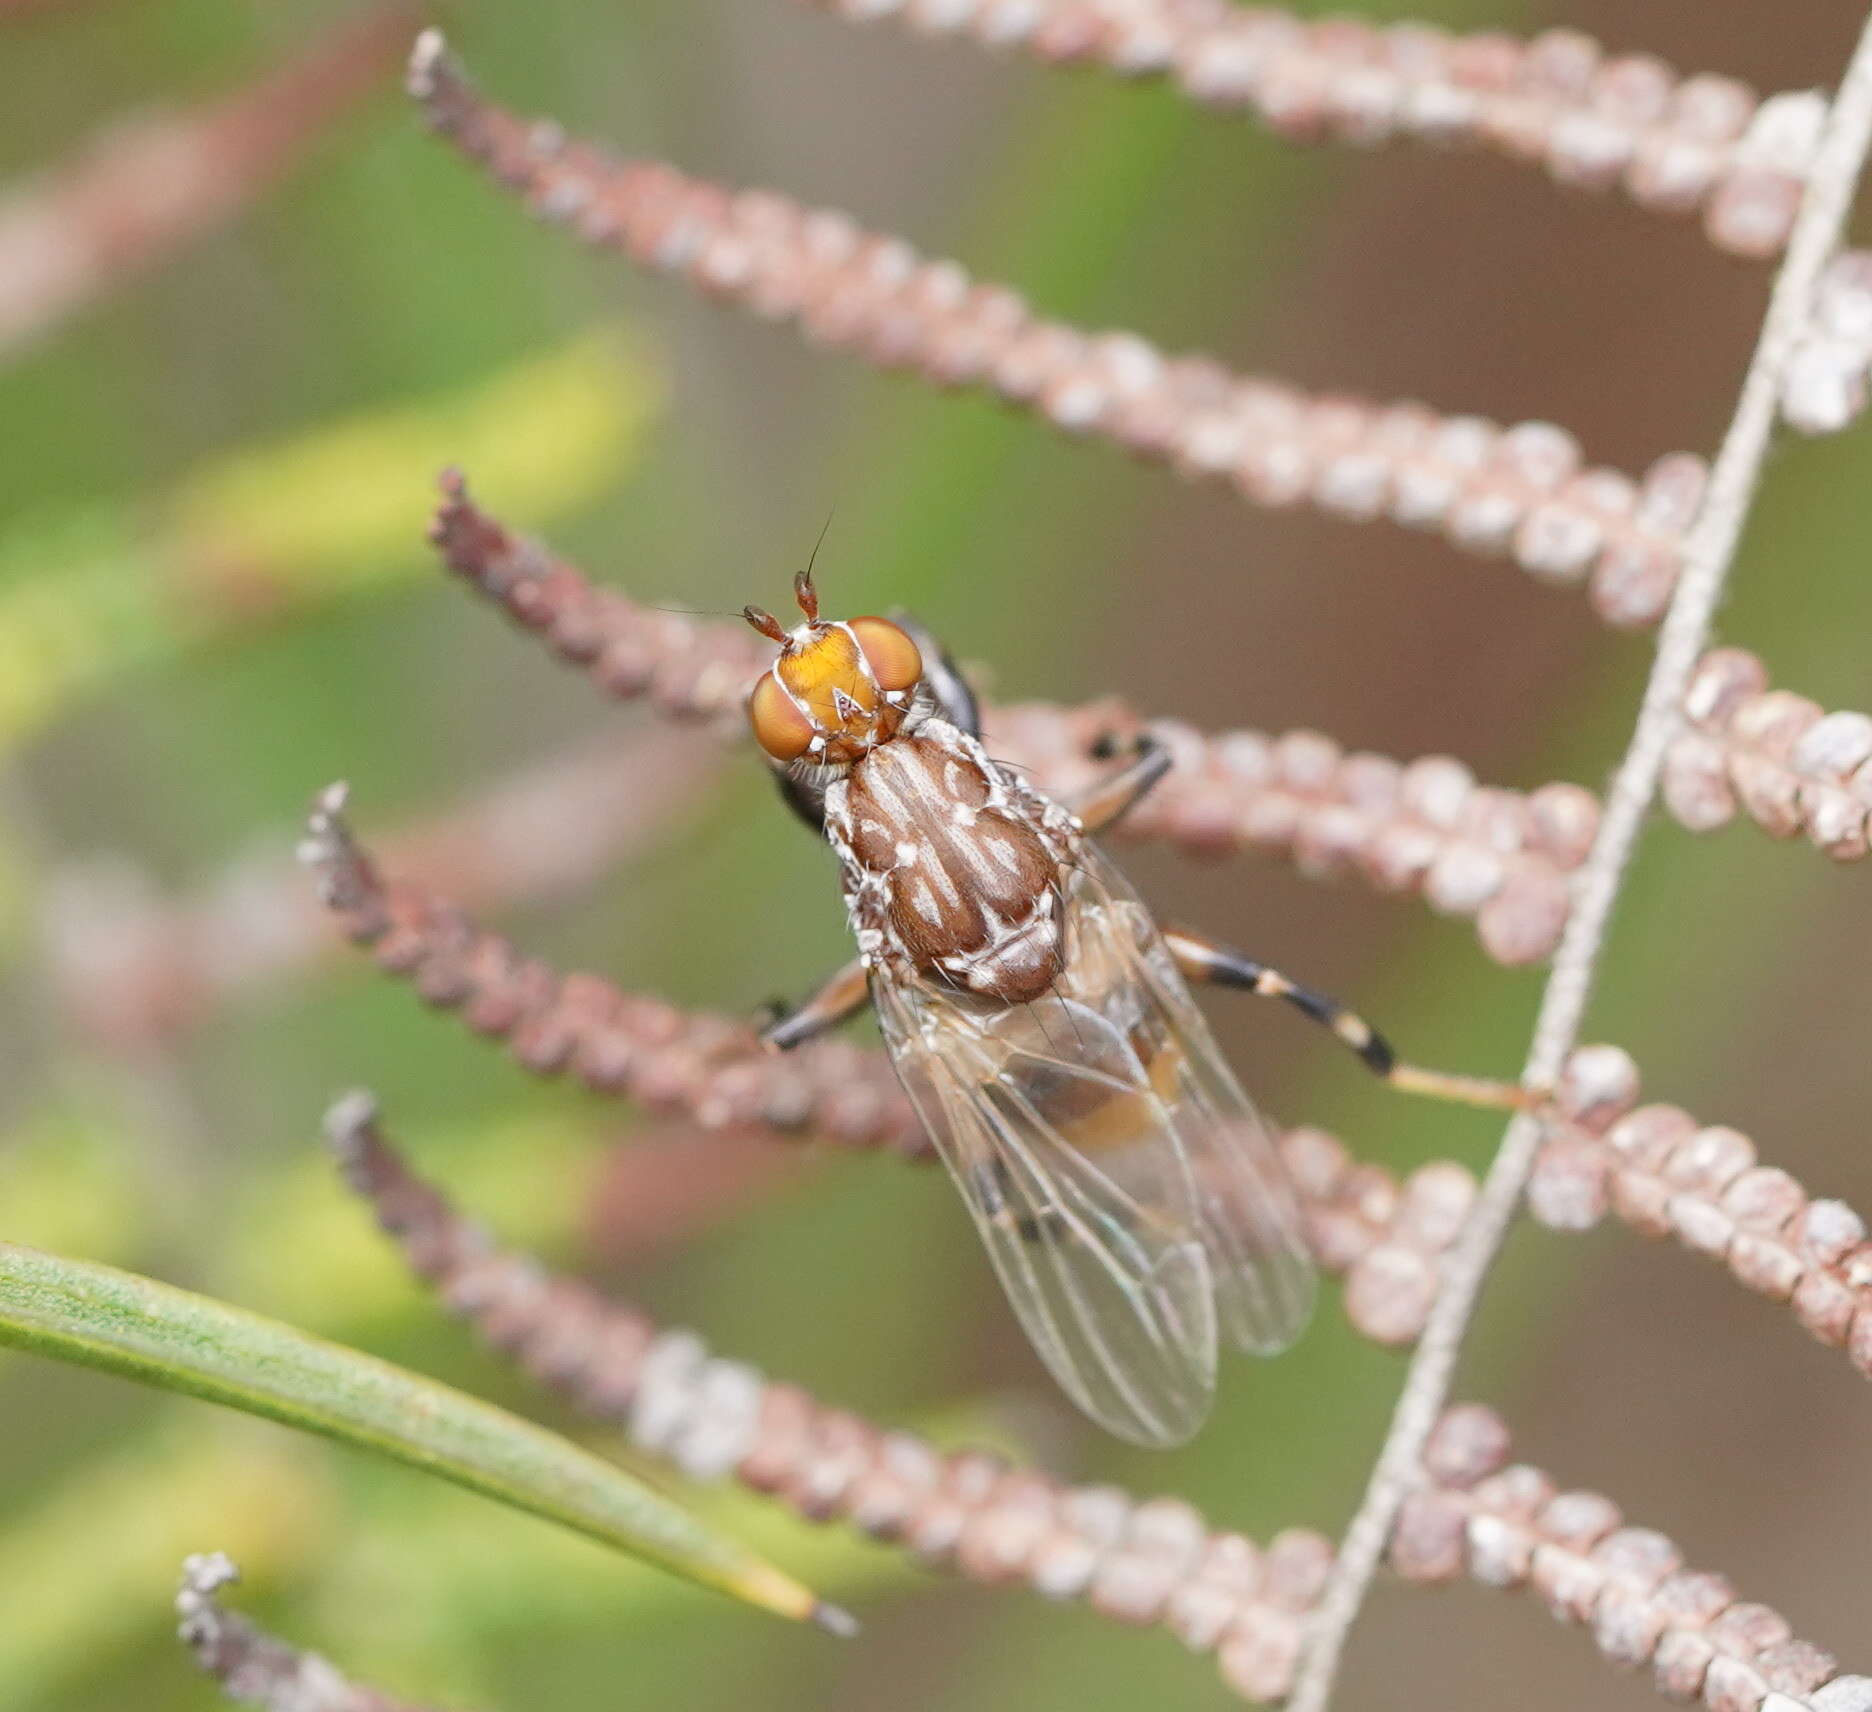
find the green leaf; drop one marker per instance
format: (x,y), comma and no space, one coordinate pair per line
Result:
(97,1316)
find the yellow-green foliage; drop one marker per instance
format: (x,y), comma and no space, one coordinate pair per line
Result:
(252,535)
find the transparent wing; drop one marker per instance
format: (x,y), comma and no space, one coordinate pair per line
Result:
(1089,1211)
(1250,1220)
(1128,1194)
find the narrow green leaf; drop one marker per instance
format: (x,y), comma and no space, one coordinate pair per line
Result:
(100,1317)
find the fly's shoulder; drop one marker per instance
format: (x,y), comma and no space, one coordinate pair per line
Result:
(1007,792)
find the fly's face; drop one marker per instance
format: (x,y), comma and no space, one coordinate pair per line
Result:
(837,691)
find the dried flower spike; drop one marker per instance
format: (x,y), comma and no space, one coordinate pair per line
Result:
(1676,145)
(1522,491)
(715,1417)
(1509,1526)
(706,1068)
(1425,827)
(251,1666)
(687,668)
(1658,1170)
(1153,1562)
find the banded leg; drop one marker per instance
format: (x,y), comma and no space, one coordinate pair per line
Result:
(1203,960)
(1117,795)
(839,998)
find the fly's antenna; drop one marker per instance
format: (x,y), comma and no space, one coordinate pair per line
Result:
(765,622)
(692,611)
(803,590)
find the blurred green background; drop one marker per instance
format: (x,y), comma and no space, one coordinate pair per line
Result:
(213,599)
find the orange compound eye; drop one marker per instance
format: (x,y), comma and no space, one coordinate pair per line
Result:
(779,726)
(895,661)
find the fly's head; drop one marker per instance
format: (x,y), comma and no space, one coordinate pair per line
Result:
(837,690)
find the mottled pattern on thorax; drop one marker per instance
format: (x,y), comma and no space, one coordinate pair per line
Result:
(951,864)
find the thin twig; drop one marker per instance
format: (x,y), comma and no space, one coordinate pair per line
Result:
(1709,552)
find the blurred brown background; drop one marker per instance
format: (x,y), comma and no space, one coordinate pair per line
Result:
(248,429)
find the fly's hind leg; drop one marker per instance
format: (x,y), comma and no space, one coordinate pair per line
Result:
(839,998)
(1203,959)
(1116,796)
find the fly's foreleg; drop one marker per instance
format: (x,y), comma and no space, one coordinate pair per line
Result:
(838,1000)
(1113,799)
(1202,959)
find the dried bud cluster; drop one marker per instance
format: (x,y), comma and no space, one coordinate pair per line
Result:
(252,1666)
(1823,386)
(1523,491)
(1136,1562)
(1666,1175)
(1508,1526)
(150,185)
(1386,1238)
(1425,827)
(1776,756)
(704,1067)
(1676,145)
(687,670)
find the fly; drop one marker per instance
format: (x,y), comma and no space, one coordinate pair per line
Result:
(1128,1194)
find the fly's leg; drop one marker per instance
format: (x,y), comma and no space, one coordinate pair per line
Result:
(838,1000)
(1128,786)
(1202,959)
